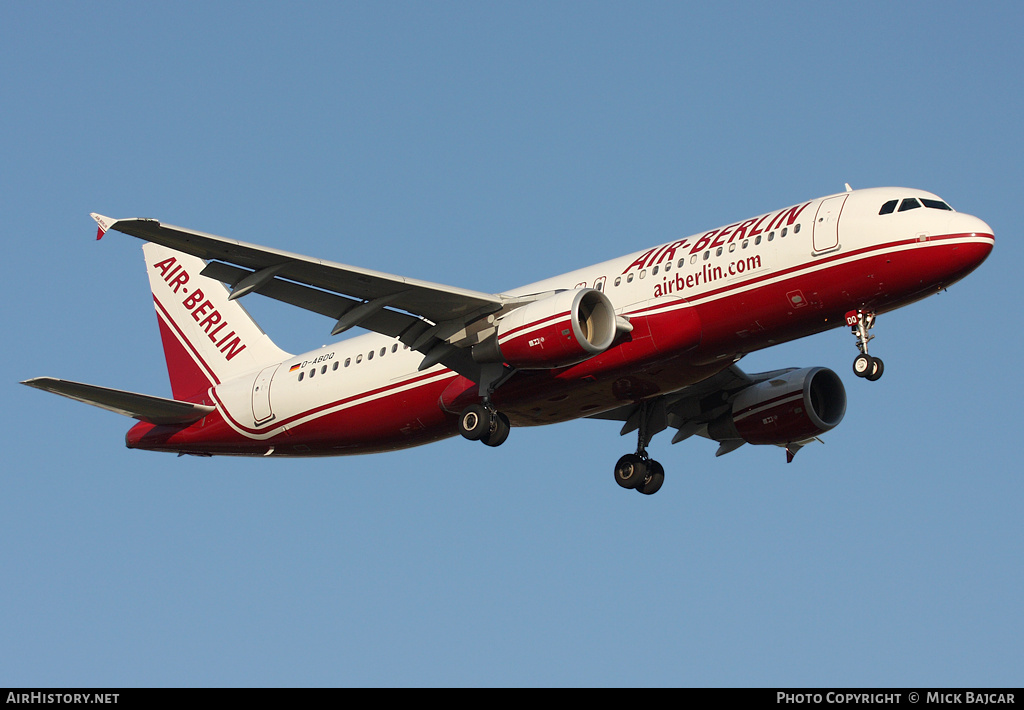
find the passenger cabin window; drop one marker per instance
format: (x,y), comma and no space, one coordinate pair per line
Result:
(889,207)
(909,204)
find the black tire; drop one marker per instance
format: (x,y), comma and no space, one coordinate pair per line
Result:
(630,471)
(497,435)
(655,478)
(877,368)
(863,365)
(475,422)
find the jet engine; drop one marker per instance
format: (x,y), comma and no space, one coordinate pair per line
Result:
(796,406)
(556,331)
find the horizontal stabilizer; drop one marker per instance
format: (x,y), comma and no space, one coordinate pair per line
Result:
(155,410)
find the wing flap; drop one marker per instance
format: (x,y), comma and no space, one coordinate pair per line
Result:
(691,406)
(144,407)
(415,332)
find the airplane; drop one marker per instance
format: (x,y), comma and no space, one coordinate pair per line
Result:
(650,339)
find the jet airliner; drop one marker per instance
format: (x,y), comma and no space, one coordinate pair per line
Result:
(651,339)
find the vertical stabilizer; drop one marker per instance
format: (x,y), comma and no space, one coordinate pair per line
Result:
(207,338)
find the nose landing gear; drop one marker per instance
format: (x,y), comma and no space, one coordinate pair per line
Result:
(864,365)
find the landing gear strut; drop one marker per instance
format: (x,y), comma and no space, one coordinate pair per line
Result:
(639,471)
(483,422)
(864,365)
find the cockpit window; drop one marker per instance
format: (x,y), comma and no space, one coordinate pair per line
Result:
(912,203)
(936,204)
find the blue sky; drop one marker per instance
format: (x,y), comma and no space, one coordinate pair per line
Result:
(487,145)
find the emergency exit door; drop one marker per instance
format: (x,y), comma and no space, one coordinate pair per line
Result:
(261,411)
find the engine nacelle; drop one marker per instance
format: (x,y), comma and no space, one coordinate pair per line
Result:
(796,406)
(557,331)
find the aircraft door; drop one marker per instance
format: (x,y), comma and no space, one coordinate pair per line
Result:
(826,225)
(261,411)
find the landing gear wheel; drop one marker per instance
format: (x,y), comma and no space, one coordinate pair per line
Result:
(499,431)
(630,471)
(475,422)
(655,477)
(877,368)
(863,365)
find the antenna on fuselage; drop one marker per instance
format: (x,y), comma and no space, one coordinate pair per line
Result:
(848,188)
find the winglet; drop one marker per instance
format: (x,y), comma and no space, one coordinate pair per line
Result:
(105,223)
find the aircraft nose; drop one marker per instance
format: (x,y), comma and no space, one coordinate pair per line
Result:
(969,224)
(973,240)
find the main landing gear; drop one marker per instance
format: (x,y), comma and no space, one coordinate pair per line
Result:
(864,365)
(639,471)
(482,422)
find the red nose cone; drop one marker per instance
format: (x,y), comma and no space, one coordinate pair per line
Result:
(966,257)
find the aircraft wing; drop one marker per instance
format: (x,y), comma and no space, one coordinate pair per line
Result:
(690,409)
(155,410)
(427,317)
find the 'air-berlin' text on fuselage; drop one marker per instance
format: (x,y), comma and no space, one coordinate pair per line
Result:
(719,237)
(201,310)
